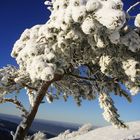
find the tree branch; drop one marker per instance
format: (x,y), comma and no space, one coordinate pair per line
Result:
(24,126)
(132,7)
(115,84)
(81,77)
(15,102)
(23,84)
(29,87)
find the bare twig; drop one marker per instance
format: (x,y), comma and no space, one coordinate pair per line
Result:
(29,87)
(81,77)
(132,7)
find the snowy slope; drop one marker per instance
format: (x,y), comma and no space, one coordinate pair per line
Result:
(110,133)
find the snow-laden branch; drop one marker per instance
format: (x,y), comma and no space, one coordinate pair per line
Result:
(15,102)
(7,83)
(110,112)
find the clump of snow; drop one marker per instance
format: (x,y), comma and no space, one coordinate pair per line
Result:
(88,25)
(132,40)
(31,96)
(104,62)
(37,136)
(33,56)
(92,5)
(130,68)
(137,20)
(134,90)
(115,17)
(49,97)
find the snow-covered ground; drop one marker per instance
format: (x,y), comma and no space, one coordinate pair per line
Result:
(110,133)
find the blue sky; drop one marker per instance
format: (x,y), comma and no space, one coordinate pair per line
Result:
(16,16)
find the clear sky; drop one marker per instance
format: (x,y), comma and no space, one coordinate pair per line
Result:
(15,17)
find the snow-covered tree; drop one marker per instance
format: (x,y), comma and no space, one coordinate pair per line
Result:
(81,52)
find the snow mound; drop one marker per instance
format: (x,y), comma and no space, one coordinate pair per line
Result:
(110,133)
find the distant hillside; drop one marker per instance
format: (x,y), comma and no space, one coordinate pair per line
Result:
(9,123)
(6,127)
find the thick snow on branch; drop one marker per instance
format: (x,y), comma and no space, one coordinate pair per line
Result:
(75,26)
(110,112)
(7,83)
(46,49)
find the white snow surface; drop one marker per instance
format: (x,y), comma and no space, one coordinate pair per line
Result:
(110,133)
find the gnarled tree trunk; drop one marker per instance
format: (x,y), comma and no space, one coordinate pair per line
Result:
(24,126)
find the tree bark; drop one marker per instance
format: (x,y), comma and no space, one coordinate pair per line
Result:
(24,126)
